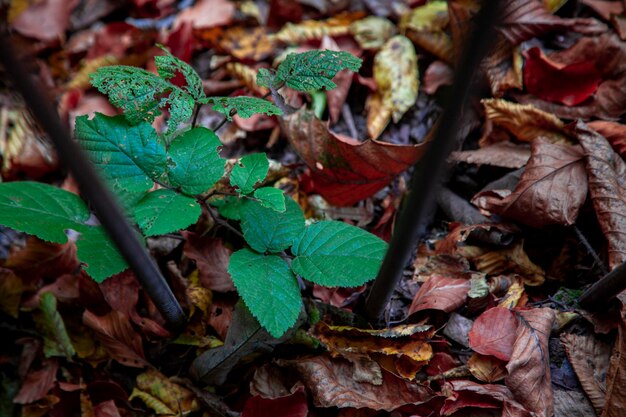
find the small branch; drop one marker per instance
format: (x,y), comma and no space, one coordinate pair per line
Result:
(231,113)
(220,221)
(590,250)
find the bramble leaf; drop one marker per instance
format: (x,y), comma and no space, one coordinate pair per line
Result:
(164,211)
(95,249)
(268,287)
(266,229)
(336,254)
(128,156)
(244,106)
(194,163)
(249,171)
(168,66)
(313,70)
(41,210)
(265,77)
(271,197)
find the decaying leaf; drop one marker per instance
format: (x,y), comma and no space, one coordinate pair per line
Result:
(425,25)
(11,289)
(493,333)
(551,190)
(211,257)
(468,393)
(615,399)
(501,154)
(332,384)
(529,367)
(314,29)
(344,170)
(440,293)
(614,132)
(372,32)
(486,368)
(38,382)
(606,172)
(293,405)
(397,79)
(176,397)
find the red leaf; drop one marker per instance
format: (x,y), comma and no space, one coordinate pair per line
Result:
(440,293)
(437,74)
(293,405)
(37,383)
(211,257)
(45,20)
(493,333)
(205,14)
(106,409)
(568,84)
(118,337)
(529,367)
(344,170)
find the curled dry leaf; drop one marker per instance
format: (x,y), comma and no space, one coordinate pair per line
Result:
(397,78)
(525,122)
(608,54)
(590,359)
(486,368)
(551,190)
(511,260)
(466,393)
(529,367)
(500,154)
(344,170)
(606,172)
(493,333)
(206,14)
(331,384)
(440,293)
(437,74)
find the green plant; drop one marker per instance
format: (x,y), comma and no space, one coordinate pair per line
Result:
(185,162)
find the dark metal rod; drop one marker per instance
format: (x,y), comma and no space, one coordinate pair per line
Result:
(599,294)
(92,188)
(420,199)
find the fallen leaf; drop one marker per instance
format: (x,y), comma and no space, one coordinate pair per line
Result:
(292,405)
(425,25)
(309,30)
(118,337)
(552,188)
(10,292)
(486,368)
(106,409)
(613,132)
(501,154)
(174,396)
(571,404)
(372,32)
(211,257)
(511,260)
(606,172)
(529,367)
(605,8)
(38,383)
(45,20)
(205,14)
(494,333)
(247,43)
(437,74)
(344,170)
(440,293)
(458,328)
(615,399)
(569,84)
(467,393)
(331,384)
(590,359)
(397,79)
(50,324)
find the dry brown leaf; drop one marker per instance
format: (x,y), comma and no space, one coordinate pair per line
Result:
(211,257)
(551,190)
(525,122)
(45,20)
(615,400)
(10,292)
(605,8)
(316,29)
(590,359)
(501,154)
(606,172)
(503,67)
(529,367)
(331,383)
(437,74)
(614,132)
(440,293)
(38,383)
(397,79)
(486,368)
(337,96)
(176,397)
(571,404)
(511,260)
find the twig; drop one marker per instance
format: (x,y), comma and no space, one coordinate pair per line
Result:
(220,221)
(195,115)
(590,250)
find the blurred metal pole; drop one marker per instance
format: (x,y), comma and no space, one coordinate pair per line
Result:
(419,202)
(93,188)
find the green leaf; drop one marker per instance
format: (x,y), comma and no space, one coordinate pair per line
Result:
(168,66)
(164,211)
(265,78)
(41,210)
(229,207)
(269,289)
(95,249)
(314,70)
(128,156)
(271,197)
(140,94)
(56,341)
(266,229)
(336,254)
(195,164)
(249,171)
(244,106)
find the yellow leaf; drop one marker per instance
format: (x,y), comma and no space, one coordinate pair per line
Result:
(247,75)
(425,26)
(314,29)
(160,391)
(372,32)
(154,403)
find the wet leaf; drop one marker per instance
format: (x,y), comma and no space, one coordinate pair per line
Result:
(606,172)
(494,333)
(344,170)
(440,293)
(551,190)
(613,132)
(397,79)
(529,367)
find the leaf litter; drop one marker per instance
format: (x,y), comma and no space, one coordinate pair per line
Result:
(474,327)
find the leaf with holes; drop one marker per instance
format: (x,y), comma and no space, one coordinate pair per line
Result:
(266,229)
(269,289)
(271,197)
(99,253)
(337,254)
(243,106)
(168,66)
(41,210)
(194,163)
(164,211)
(128,156)
(249,171)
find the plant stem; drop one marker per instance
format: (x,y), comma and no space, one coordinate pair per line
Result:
(219,220)
(195,115)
